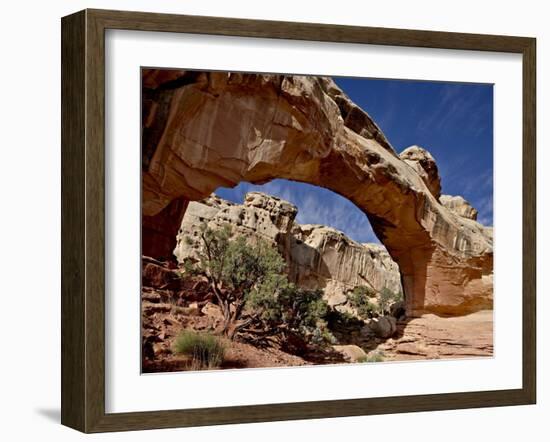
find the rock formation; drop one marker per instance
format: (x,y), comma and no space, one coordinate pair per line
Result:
(318,257)
(351,353)
(261,216)
(433,337)
(424,165)
(320,253)
(158,231)
(459,206)
(203,130)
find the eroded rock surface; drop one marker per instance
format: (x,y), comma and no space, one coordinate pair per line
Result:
(323,257)
(351,353)
(203,130)
(459,205)
(433,337)
(424,165)
(318,257)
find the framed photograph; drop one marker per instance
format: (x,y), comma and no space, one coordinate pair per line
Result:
(267,221)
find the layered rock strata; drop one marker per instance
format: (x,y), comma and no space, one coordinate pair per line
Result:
(433,337)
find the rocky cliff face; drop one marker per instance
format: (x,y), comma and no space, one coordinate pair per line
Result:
(260,216)
(323,257)
(317,256)
(203,130)
(459,206)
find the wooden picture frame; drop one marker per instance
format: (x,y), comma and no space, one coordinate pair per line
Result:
(83,220)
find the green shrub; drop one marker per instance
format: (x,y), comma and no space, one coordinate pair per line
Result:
(290,309)
(238,271)
(206,351)
(387,298)
(321,335)
(251,287)
(361,299)
(345,317)
(377,356)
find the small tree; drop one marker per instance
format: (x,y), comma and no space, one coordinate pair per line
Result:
(361,299)
(387,298)
(250,286)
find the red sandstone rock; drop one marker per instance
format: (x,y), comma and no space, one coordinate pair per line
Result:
(218,129)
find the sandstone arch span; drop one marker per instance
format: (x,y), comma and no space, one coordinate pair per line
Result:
(205,130)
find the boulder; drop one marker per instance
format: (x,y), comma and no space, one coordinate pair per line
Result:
(397,309)
(335,299)
(351,353)
(384,326)
(157,276)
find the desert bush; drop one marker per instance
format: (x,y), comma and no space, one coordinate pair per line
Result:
(376,356)
(251,288)
(322,335)
(361,299)
(206,351)
(293,310)
(345,317)
(290,305)
(387,298)
(237,270)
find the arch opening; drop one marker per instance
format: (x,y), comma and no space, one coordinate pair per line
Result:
(326,242)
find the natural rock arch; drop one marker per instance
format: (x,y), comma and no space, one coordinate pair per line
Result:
(205,130)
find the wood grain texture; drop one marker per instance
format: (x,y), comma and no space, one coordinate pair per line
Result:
(73,213)
(83,220)
(529,221)
(95,222)
(145,21)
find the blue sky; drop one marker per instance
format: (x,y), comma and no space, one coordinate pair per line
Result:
(453,121)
